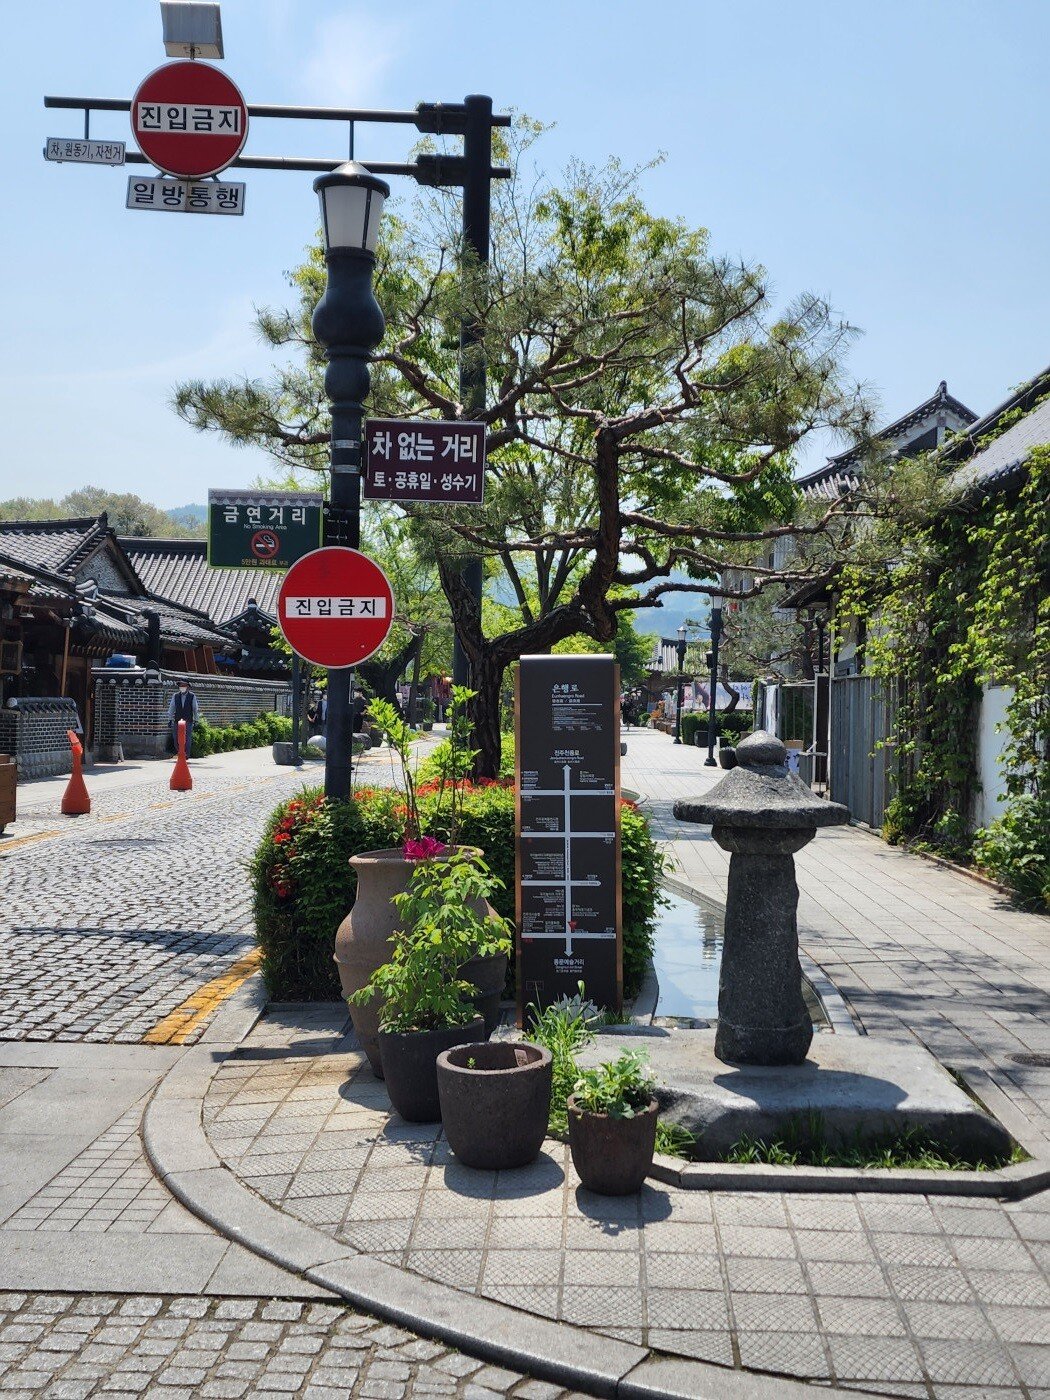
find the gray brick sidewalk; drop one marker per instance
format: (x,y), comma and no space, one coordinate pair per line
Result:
(905,1295)
(131,910)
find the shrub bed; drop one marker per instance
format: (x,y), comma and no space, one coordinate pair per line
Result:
(303,886)
(251,734)
(730,725)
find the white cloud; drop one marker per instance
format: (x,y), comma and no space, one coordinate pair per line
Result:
(351,55)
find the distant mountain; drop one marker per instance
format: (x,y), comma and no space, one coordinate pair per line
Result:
(190,517)
(677,608)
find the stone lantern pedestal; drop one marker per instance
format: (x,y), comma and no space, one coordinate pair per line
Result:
(762,815)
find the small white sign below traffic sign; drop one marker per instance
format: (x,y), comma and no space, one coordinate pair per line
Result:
(185,196)
(84,151)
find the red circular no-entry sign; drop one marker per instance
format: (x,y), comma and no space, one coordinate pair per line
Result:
(335,607)
(189,119)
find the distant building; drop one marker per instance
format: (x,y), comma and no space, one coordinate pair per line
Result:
(73,597)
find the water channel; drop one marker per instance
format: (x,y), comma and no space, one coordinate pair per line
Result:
(687,956)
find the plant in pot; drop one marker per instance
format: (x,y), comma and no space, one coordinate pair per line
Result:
(363,939)
(426,1006)
(612,1125)
(426,715)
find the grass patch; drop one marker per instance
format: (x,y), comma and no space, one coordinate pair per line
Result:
(804,1143)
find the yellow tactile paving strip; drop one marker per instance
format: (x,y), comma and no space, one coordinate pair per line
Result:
(18,841)
(180,1024)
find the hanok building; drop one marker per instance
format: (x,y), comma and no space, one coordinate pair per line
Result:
(87,644)
(798,705)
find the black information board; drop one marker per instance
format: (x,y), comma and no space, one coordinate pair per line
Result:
(568,829)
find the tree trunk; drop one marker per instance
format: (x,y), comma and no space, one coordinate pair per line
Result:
(734,694)
(487,679)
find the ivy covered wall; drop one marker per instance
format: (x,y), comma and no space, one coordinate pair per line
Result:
(963,601)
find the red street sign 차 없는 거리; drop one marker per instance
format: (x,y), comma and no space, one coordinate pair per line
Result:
(422,460)
(335,607)
(189,119)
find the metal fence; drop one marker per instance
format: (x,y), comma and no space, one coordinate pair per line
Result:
(863,762)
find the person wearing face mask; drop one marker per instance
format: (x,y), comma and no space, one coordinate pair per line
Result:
(183,706)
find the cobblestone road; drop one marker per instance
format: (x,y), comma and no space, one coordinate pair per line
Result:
(110,925)
(68,1347)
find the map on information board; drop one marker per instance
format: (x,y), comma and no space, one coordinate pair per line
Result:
(568,896)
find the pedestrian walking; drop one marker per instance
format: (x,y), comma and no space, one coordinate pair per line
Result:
(317,715)
(183,706)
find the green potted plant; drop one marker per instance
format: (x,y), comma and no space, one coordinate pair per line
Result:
(426,715)
(426,1006)
(612,1125)
(363,939)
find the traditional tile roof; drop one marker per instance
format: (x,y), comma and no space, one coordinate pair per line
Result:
(907,434)
(664,658)
(1001,462)
(179,626)
(179,570)
(43,582)
(48,544)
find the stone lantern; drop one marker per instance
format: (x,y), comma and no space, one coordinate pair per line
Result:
(762,814)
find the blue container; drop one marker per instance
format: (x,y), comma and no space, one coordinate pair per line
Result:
(121,660)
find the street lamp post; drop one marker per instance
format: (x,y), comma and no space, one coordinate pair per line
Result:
(680,649)
(716,633)
(349,324)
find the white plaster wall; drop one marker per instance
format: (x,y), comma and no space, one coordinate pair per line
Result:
(994,700)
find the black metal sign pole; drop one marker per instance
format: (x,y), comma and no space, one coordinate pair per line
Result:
(474,121)
(477,205)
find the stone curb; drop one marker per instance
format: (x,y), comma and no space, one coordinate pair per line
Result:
(1011,1183)
(182,1157)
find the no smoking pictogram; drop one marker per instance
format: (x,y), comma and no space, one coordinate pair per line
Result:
(265,544)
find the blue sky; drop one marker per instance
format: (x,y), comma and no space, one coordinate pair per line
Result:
(891,157)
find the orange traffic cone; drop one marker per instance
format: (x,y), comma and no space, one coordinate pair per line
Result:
(180,778)
(75,800)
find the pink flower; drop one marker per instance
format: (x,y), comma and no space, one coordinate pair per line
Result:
(424,848)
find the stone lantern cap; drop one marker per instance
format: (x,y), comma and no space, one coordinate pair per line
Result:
(760,792)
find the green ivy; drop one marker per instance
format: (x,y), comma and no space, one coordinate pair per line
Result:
(963,601)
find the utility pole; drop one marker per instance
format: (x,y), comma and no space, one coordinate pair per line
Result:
(477,178)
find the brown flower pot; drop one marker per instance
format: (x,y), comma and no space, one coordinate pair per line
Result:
(410,1067)
(612,1155)
(363,938)
(488,974)
(495,1099)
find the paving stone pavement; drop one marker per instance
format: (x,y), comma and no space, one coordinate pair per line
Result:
(902,1295)
(917,1293)
(71,1347)
(129,918)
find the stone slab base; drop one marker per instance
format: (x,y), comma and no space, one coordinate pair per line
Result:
(862,1088)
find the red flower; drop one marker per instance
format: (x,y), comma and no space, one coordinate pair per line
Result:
(280,837)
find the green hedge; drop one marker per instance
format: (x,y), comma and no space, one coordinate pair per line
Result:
(303,886)
(694,728)
(734,724)
(729,725)
(252,734)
